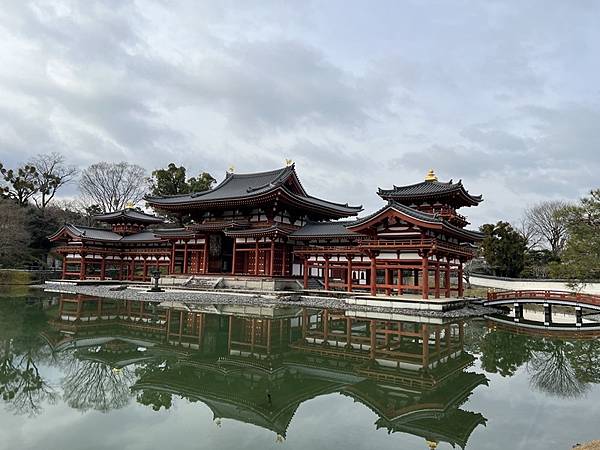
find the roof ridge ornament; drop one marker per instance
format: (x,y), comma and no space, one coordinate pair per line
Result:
(431,176)
(289,162)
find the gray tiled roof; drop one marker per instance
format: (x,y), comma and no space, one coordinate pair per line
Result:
(419,215)
(426,189)
(144,236)
(93,233)
(234,185)
(130,214)
(102,234)
(325,229)
(240,186)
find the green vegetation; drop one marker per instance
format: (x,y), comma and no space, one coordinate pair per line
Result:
(504,249)
(580,261)
(173,181)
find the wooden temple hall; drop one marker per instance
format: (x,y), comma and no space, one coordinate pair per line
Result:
(266,225)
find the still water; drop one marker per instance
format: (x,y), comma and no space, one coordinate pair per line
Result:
(79,373)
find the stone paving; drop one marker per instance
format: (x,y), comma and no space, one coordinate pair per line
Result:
(250,298)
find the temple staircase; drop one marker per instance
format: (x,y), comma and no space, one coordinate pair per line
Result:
(314,284)
(203,283)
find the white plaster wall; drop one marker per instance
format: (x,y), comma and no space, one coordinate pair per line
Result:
(543,285)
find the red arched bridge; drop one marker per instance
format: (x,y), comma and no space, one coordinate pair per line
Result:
(518,298)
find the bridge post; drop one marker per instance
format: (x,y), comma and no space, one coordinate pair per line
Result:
(578,316)
(518,312)
(547,314)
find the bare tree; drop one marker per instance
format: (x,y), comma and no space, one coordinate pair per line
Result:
(51,174)
(528,231)
(112,186)
(548,223)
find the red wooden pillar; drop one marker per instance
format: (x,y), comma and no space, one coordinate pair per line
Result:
(349,275)
(437,280)
(234,256)
(425,269)
(283,260)
(185,257)
(373,280)
(64,265)
(326,273)
(82,266)
(399,281)
(205,255)
(461,289)
(256,258)
(305,271)
(447,279)
(103,268)
(132,268)
(272,259)
(325,325)
(388,291)
(172,262)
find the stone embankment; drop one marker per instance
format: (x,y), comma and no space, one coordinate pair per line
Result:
(196,297)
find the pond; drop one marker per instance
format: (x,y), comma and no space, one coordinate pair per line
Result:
(87,373)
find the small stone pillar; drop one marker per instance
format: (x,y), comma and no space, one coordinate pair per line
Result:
(547,314)
(518,312)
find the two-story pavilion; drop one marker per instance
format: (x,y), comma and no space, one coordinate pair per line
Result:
(415,244)
(265,224)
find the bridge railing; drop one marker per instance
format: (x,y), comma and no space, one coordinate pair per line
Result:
(544,295)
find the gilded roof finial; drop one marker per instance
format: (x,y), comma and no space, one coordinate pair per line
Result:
(231,169)
(431,176)
(432,444)
(288,162)
(130,205)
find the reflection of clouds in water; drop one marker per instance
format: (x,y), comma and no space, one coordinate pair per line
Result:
(92,385)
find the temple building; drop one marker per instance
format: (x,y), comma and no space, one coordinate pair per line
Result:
(266,225)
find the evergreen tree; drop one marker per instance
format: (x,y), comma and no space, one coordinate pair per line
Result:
(504,249)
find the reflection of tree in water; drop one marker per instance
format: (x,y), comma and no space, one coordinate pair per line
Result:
(552,370)
(93,385)
(21,385)
(22,352)
(150,397)
(503,352)
(559,367)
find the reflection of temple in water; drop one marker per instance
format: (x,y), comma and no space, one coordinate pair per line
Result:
(258,365)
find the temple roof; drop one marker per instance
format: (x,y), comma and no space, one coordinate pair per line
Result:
(433,219)
(102,234)
(253,186)
(272,230)
(128,215)
(430,189)
(314,230)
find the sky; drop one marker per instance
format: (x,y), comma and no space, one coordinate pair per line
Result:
(504,95)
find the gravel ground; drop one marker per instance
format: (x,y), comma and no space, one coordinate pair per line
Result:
(254,299)
(593,445)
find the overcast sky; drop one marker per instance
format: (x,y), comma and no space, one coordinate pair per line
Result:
(504,95)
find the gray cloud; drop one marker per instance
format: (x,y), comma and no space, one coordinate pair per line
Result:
(502,94)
